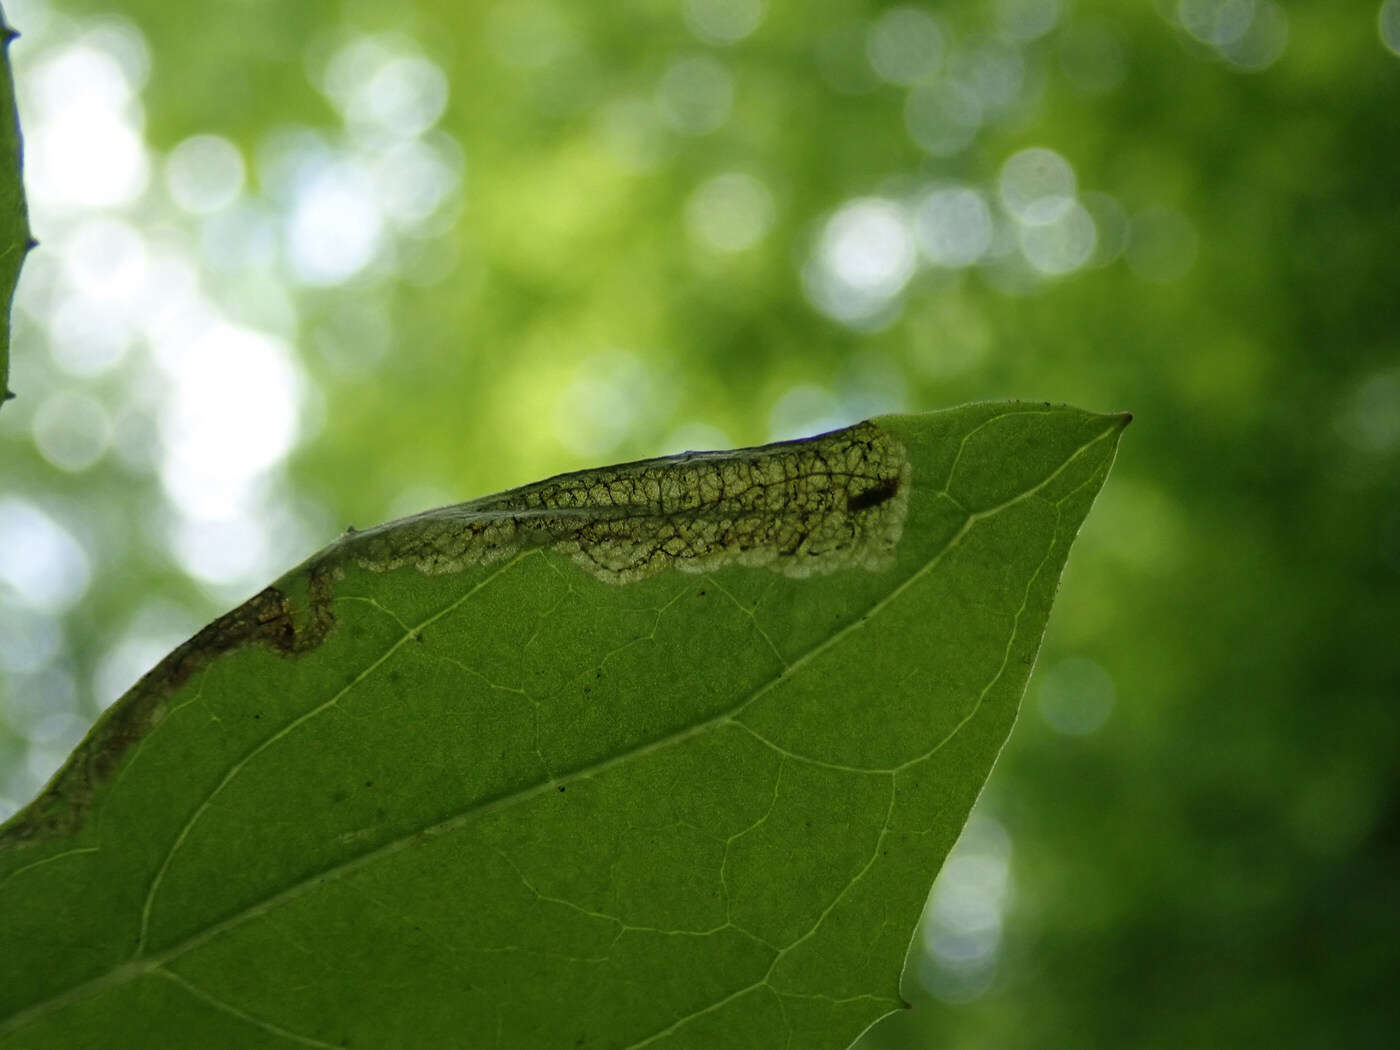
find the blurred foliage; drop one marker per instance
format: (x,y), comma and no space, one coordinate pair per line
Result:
(1209,859)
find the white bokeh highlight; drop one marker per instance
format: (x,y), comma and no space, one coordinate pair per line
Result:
(953,226)
(864,257)
(231,415)
(942,117)
(1388,25)
(42,565)
(83,131)
(1061,245)
(963,923)
(1249,35)
(905,45)
(695,95)
(204,174)
(384,87)
(71,430)
(1075,697)
(724,22)
(1036,184)
(1027,20)
(335,226)
(729,212)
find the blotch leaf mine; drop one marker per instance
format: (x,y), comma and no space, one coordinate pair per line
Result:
(659,755)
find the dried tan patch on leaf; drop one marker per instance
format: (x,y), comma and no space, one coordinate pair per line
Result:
(799,507)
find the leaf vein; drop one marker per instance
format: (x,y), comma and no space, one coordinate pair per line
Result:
(228,1008)
(300,720)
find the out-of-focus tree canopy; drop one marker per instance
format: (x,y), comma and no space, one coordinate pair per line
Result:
(306,264)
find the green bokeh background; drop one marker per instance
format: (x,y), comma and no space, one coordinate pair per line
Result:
(1210,860)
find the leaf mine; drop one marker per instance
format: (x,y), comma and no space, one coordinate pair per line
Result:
(831,502)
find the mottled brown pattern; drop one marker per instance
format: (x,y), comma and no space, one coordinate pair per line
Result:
(270,618)
(798,507)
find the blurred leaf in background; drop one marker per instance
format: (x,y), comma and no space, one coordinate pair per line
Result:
(312,264)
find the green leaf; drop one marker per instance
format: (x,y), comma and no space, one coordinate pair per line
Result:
(15,240)
(503,775)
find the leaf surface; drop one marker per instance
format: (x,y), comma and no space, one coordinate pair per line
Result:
(661,755)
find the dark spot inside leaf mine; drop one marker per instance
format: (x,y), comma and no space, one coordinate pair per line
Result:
(881,492)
